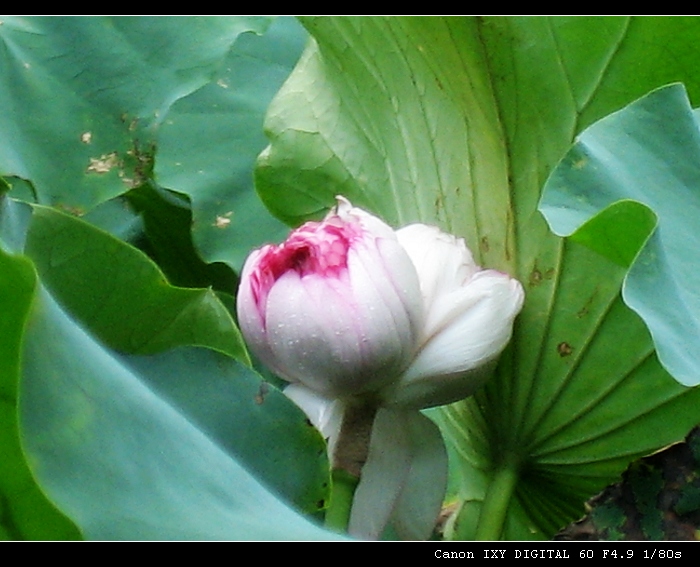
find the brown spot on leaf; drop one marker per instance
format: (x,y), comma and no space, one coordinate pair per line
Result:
(536,276)
(75,211)
(585,310)
(103,164)
(484,244)
(262,392)
(139,163)
(564,349)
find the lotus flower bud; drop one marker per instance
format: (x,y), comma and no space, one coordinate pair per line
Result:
(337,307)
(349,307)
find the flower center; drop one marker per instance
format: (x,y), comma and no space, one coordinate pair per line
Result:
(315,248)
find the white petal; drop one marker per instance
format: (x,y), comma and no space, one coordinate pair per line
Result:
(369,222)
(443,262)
(386,288)
(404,479)
(468,328)
(325,414)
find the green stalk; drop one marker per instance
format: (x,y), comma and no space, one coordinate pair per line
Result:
(342,493)
(347,461)
(495,506)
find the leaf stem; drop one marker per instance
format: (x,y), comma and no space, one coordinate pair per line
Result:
(495,506)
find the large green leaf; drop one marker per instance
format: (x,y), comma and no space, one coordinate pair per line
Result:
(123,462)
(157,447)
(646,154)
(458,122)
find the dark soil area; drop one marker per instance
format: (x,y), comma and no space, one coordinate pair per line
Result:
(657,499)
